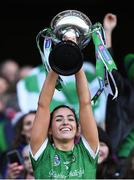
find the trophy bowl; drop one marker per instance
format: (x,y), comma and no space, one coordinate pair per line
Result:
(71,33)
(66,58)
(72,23)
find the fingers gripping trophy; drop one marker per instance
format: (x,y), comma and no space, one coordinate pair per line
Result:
(69,33)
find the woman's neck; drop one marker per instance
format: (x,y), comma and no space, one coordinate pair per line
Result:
(64,146)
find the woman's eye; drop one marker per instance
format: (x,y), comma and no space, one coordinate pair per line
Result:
(28,123)
(58,120)
(71,119)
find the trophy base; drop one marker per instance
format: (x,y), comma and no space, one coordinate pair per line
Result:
(66,58)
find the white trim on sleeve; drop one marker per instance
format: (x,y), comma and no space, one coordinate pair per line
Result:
(87,146)
(40,150)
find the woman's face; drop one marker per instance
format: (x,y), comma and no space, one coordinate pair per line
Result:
(103,152)
(3,85)
(27,161)
(27,125)
(64,125)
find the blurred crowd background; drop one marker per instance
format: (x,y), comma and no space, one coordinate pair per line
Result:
(22,75)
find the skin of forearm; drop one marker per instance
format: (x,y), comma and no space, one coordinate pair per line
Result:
(42,118)
(108,35)
(82,88)
(86,114)
(89,127)
(48,89)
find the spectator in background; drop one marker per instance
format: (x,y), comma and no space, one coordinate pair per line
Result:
(105,146)
(109,24)
(6,132)
(9,105)
(106,164)
(22,137)
(120,126)
(23,171)
(4,85)
(23,130)
(28,170)
(6,129)
(24,71)
(10,68)
(120,114)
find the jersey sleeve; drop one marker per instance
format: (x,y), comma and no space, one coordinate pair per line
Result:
(89,149)
(40,150)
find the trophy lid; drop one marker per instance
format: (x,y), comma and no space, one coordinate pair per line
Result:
(72,21)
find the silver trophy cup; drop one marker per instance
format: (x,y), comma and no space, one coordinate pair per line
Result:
(71,33)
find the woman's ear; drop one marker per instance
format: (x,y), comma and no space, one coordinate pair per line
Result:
(78,133)
(50,131)
(50,135)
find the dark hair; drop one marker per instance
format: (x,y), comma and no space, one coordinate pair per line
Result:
(20,139)
(103,137)
(63,106)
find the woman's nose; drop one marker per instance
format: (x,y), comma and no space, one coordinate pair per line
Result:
(65,121)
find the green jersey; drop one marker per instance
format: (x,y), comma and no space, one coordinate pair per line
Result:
(53,163)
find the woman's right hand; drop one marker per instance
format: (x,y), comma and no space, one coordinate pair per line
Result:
(14,170)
